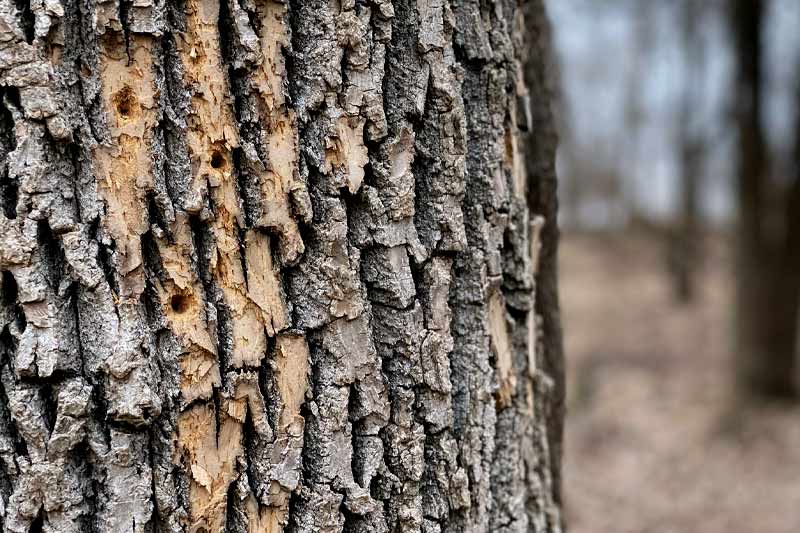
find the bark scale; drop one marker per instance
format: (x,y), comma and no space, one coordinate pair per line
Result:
(273,267)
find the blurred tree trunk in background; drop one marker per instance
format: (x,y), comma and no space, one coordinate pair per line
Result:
(631,156)
(276,266)
(684,245)
(766,273)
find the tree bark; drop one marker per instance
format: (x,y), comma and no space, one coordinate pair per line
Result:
(766,277)
(273,267)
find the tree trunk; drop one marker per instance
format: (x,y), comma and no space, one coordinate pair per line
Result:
(684,244)
(272,267)
(767,278)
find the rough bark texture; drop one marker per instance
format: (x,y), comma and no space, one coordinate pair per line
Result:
(273,267)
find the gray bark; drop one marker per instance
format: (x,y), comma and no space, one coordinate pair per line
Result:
(277,267)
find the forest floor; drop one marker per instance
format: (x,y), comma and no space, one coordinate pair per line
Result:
(654,441)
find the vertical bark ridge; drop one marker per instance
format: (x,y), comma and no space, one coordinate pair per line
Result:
(337,68)
(410,227)
(45,388)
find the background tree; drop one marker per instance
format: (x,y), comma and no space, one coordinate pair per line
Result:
(767,275)
(691,146)
(271,267)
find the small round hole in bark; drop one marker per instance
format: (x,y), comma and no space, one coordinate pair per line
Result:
(125,103)
(217,160)
(179,303)
(124,108)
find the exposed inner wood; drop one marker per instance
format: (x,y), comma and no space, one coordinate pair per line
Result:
(279,180)
(124,166)
(501,347)
(346,152)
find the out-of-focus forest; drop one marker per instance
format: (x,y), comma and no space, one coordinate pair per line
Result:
(679,168)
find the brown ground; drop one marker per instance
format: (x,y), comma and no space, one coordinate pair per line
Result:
(653,440)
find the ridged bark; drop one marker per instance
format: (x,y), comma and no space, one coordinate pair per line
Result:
(276,267)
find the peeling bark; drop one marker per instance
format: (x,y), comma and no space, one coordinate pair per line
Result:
(277,266)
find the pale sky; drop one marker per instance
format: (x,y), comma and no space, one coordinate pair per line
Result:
(596,45)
